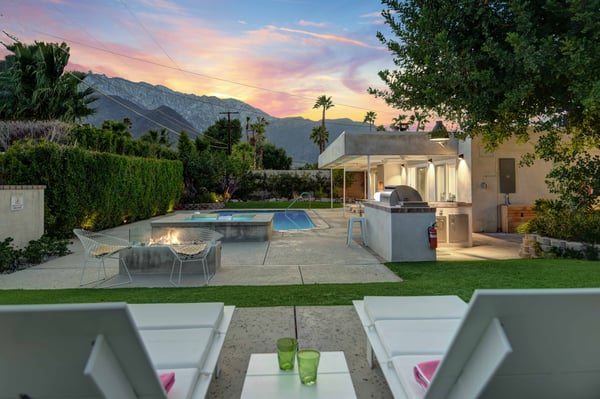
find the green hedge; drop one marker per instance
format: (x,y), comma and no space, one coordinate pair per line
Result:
(92,190)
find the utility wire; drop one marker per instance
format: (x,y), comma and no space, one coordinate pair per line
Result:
(193,72)
(176,67)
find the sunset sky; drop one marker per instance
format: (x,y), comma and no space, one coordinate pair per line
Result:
(276,55)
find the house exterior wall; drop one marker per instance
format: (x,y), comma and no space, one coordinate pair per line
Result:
(485,186)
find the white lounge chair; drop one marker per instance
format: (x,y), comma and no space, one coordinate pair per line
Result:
(98,351)
(529,343)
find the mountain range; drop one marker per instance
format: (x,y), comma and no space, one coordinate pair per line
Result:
(157,107)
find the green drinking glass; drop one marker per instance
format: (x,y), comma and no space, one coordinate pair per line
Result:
(308,363)
(286,353)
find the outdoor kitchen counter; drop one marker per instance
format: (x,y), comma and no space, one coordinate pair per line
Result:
(454,223)
(398,233)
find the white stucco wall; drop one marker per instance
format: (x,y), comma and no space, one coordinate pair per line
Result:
(530,182)
(21,214)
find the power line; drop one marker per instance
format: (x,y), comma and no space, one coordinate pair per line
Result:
(193,72)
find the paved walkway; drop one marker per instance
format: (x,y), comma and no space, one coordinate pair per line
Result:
(305,257)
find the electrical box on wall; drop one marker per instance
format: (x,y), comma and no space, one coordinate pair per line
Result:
(507,175)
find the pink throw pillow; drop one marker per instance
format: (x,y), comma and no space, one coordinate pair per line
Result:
(424,372)
(167,380)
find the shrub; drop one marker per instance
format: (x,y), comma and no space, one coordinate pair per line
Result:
(38,251)
(556,220)
(92,190)
(34,253)
(8,255)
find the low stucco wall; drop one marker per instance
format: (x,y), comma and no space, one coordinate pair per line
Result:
(21,214)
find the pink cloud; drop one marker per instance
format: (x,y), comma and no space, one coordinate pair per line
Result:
(303,22)
(277,69)
(339,39)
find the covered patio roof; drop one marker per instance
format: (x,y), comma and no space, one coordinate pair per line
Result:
(356,151)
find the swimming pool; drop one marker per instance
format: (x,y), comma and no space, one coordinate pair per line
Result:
(282,219)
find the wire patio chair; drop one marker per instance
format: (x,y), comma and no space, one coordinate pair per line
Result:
(98,247)
(198,250)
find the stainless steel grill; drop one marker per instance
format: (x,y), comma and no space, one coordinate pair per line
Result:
(404,196)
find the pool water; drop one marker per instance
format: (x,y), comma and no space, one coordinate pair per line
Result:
(282,220)
(219,216)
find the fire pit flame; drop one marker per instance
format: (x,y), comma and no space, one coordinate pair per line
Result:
(171,238)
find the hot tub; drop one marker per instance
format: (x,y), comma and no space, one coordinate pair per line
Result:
(242,227)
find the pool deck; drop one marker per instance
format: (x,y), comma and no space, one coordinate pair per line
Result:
(317,256)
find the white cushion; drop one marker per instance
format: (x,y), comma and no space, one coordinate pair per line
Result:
(176,315)
(183,348)
(416,337)
(414,307)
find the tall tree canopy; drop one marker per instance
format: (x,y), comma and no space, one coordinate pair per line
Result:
(34,84)
(498,67)
(223,132)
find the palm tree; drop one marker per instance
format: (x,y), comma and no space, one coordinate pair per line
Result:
(34,84)
(325,103)
(258,128)
(247,128)
(318,137)
(421,118)
(370,119)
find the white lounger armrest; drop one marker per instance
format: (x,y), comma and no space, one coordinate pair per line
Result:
(176,315)
(414,307)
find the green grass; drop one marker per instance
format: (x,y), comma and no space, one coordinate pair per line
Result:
(281,205)
(423,278)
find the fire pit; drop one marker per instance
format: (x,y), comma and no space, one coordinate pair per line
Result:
(153,251)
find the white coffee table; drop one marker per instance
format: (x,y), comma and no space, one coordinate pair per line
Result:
(265,380)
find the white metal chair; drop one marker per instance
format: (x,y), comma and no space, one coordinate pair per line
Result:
(198,250)
(97,247)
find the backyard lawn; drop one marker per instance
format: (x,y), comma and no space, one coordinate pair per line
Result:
(423,278)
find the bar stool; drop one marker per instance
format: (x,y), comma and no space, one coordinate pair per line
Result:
(363,230)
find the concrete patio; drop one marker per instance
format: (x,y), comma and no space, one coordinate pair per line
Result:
(302,257)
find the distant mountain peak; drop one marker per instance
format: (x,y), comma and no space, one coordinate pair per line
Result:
(155,106)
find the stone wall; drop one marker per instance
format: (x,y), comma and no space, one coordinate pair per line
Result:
(535,246)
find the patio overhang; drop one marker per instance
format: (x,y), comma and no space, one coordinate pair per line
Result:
(358,151)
